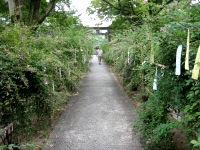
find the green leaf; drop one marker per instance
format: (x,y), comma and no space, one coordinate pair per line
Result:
(196,92)
(187,108)
(194,142)
(190,95)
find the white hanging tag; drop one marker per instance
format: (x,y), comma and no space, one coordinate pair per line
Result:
(128,57)
(53,86)
(60,72)
(85,59)
(45,81)
(195,71)
(134,59)
(155,87)
(155,84)
(162,72)
(187,51)
(44,69)
(178,60)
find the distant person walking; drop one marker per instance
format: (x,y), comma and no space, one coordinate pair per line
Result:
(99,54)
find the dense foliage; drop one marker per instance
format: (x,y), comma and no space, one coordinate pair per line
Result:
(138,52)
(40,71)
(125,13)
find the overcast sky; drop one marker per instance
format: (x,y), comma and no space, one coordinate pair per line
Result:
(81,6)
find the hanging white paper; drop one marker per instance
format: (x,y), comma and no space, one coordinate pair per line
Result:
(187,51)
(134,60)
(162,72)
(53,86)
(195,71)
(60,72)
(44,68)
(155,84)
(178,60)
(84,59)
(45,81)
(128,57)
(155,80)
(68,70)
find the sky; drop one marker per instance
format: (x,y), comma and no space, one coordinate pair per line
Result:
(85,18)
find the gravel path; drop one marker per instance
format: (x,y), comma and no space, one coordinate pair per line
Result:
(99,118)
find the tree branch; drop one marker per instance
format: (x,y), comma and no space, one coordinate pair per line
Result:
(48,10)
(111,4)
(120,6)
(168,2)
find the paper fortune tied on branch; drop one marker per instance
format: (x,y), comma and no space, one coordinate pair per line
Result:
(187,51)
(195,71)
(178,60)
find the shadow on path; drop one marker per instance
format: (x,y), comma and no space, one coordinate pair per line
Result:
(99,118)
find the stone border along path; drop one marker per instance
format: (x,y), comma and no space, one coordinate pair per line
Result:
(98,118)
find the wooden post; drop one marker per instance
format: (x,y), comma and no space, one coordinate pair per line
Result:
(97,31)
(103,28)
(6,134)
(108,34)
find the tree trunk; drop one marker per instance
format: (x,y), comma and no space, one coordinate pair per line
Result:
(15,10)
(34,16)
(34,12)
(11,7)
(18,11)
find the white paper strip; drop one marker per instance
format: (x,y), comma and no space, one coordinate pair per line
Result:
(187,51)
(68,70)
(162,72)
(128,57)
(60,72)
(155,80)
(44,69)
(45,81)
(84,59)
(155,84)
(152,50)
(195,71)
(178,60)
(53,86)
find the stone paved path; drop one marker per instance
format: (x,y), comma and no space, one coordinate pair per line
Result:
(99,118)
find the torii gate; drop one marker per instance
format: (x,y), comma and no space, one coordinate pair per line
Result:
(103,28)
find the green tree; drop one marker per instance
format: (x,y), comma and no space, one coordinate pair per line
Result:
(27,12)
(161,32)
(131,11)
